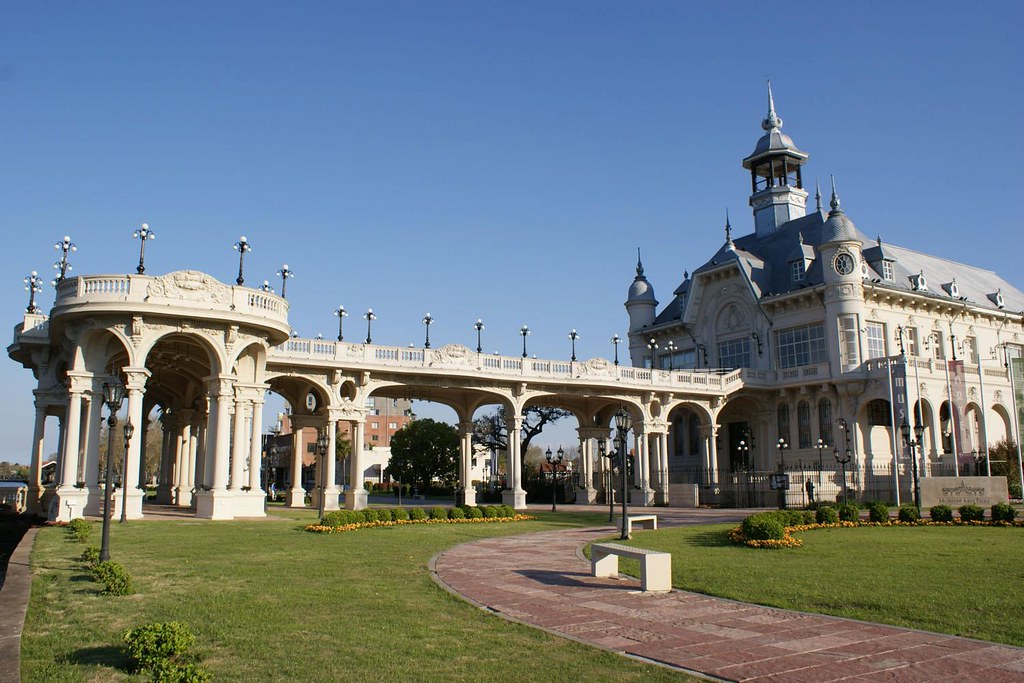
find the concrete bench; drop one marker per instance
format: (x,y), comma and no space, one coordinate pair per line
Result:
(655,566)
(645,522)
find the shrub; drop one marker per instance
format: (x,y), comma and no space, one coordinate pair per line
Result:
(491,512)
(115,578)
(909,513)
(971,513)
(438,513)
(1003,512)
(763,526)
(507,510)
(153,644)
(91,556)
(387,515)
(826,514)
(417,514)
(456,513)
(333,518)
(171,672)
(849,512)
(476,513)
(941,513)
(80,529)
(369,515)
(878,512)
(400,514)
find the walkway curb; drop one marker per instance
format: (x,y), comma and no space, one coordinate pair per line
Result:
(14,597)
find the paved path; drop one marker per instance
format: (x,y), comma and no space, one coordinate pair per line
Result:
(14,597)
(543,580)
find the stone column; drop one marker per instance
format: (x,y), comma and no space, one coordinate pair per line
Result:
(69,455)
(589,436)
(331,491)
(355,497)
(201,429)
(296,497)
(466,492)
(136,385)
(35,483)
(710,433)
(662,496)
(184,469)
(170,452)
(256,448)
(514,495)
(240,445)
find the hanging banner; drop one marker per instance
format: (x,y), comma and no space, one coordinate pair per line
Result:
(958,388)
(898,387)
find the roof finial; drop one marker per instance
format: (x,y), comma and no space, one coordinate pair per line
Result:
(686,275)
(817,195)
(639,264)
(834,203)
(800,237)
(772,121)
(728,230)
(879,240)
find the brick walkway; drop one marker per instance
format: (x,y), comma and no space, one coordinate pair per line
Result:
(543,580)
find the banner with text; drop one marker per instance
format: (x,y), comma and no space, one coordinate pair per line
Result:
(898,395)
(958,388)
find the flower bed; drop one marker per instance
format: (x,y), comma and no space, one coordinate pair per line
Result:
(327,529)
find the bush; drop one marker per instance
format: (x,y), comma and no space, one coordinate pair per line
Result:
(80,529)
(91,556)
(763,526)
(369,515)
(438,513)
(400,514)
(153,644)
(476,513)
(417,514)
(387,515)
(849,512)
(878,512)
(826,514)
(491,512)
(507,510)
(1003,512)
(115,578)
(333,518)
(909,513)
(941,513)
(456,513)
(971,513)
(171,672)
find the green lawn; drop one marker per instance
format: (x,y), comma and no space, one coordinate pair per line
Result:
(269,602)
(966,581)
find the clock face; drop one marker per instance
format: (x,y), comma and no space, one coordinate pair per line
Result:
(844,264)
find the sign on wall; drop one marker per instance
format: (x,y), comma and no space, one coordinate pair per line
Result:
(957,491)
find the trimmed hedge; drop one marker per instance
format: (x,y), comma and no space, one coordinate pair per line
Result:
(115,578)
(826,514)
(849,512)
(1003,512)
(763,526)
(908,513)
(941,513)
(878,511)
(972,513)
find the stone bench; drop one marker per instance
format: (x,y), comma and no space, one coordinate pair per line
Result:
(645,522)
(655,566)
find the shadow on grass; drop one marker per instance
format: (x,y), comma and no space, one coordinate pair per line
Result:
(710,539)
(105,655)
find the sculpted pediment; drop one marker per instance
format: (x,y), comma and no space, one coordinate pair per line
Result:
(453,354)
(189,285)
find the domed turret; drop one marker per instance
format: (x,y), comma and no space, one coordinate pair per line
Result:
(640,302)
(838,227)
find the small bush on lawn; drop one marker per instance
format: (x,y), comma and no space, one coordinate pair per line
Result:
(115,579)
(332,518)
(456,513)
(80,529)
(148,645)
(476,513)
(387,515)
(417,514)
(941,513)
(763,526)
(1003,512)
(170,672)
(491,512)
(849,512)
(909,514)
(369,515)
(507,510)
(826,514)
(91,556)
(438,513)
(878,512)
(400,514)
(971,513)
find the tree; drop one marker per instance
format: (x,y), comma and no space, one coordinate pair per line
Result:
(425,451)
(491,431)
(1003,458)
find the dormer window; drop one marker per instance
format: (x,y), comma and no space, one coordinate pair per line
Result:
(997,298)
(952,288)
(798,270)
(887,271)
(918,282)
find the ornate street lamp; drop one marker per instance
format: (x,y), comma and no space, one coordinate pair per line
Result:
(615,344)
(322,442)
(703,350)
(821,446)
(602,451)
(653,346)
(782,446)
(113,396)
(369,317)
(912,444)
(341,313)
(129,429)
(33,285)
(242,246)
(427,320)
(623,423)
(843,460)
(743,449)
(284,273)
(143,234)
(572,338)
(671,347)
(479,327)
(266,287)
(62,266)
(525,331)
(553,462)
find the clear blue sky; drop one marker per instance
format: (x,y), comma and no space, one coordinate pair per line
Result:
(483,159)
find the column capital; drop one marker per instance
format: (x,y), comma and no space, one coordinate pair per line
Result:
(708,430)
(466,427)
(220,385)
(593,432)
(136,378)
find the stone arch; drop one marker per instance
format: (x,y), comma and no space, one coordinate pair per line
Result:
(96,349)
(249,364)
(215,352)
(1005,425)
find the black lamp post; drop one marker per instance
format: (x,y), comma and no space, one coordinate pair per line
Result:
(284,273)
(572,338)
(703,350)
(322,442)
(62,266)
(553,462)
(266,287)
(623,423)
(782,446)
(821,446)
(369,317)
(525,331)
(341,313)
(743,449)
(143,234)
(602,451)
(653,346)
(427,320)
(129,430)
(671,346)
(242,246)
(912,444)
(479,327)
(843,460)
(33,285)
(615,344)
(113,396)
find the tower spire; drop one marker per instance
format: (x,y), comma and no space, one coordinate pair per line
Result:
(728,231)
(817,195)
(772,121)
(834,203)
(639,265)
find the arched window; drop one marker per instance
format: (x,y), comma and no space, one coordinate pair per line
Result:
(694,434)
(825,421)
(803,423)
(879,414)
(782,422)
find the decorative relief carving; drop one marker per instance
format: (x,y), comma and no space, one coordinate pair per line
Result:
(452,354)
(190,285)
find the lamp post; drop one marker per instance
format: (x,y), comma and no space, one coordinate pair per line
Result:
(623,423)
(266,287)
(671,347)
(525,331)
(572,338)
(843,460)
(33,285)
(242,246)
(821,446)
(113,396)
(369,317)
(284,273)
(143,234)
(129,430)
(743,451)
(479,327)
(653,346)
(553,462)
(427,320)
(322,442)
(912,444)
(602,451)
(341,313)
(615,344)
(62,266)
(704,351)
(782,446)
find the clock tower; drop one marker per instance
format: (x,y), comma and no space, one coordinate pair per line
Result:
(843,270)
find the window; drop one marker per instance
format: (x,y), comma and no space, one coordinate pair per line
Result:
(782,421)
(803,424)
(879,414)
(734,353)
(392,425)
(971,350)
(934,342)
(875,333)
(797,268)
(374,437)
(848,346)
(911,341)
(375,425)
(804,345)
(825,422)
(887,273)
(681,360)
